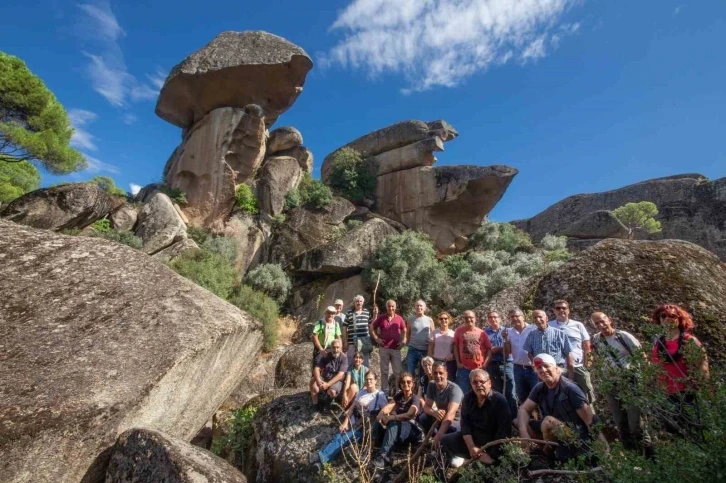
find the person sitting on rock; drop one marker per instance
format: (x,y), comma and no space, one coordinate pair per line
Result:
(354,379)
(395,423)
(329,373)
(325,331)
(566,414)
(485,417)
(442,402)
(368,403)
(427,370)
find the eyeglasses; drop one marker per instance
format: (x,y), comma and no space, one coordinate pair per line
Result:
(406,382)
(443,318)
(479,382)
(560,308)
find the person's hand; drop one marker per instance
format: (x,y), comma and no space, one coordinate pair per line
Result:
(485,458)
(440,415)
(436,443)
(474,452)
(343,427)
(380,418)
(324,386)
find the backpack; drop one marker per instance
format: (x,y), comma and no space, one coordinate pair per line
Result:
(611,350)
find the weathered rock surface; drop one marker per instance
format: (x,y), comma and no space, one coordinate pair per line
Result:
(347,254)
(159,225)
(233,70)
(307,227)
(303,155)
(251,235)
(143,455)
(293,367)
(448,203)
(260,380)
(145,193)
(170,253)
(279,175)
(628,279)
(596,225)
(124,218)
(74,205)
(690,208)
(224,149)
(282,138)
(392,137)
(98,338)
(420,153)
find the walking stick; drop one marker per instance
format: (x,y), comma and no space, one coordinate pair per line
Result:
(375,290)
(418,452)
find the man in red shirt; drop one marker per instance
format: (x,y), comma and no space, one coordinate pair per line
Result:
(388,331)
(472,350)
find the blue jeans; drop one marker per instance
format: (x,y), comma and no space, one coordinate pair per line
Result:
(462,379)
(413,359)
(502,376)
(524,380)
(340,441)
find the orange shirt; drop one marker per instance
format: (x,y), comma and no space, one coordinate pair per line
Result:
(472,346)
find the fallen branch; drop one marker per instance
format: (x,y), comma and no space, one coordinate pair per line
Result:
(416,455)
(565,472)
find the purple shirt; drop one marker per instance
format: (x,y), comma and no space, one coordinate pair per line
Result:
(390,330)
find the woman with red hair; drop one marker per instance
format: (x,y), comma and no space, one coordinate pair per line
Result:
(680,354)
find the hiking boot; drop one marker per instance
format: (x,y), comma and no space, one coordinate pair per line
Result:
(313,457)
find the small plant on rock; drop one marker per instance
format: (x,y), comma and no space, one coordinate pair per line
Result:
(246,199)
(638,217)
(351,176)
(102,226)
(271,280)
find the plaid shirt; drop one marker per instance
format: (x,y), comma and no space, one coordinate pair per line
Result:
(550,341)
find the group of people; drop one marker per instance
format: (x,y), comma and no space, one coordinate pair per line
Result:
(475,384)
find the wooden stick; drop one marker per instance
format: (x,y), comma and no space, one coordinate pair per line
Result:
(375,290)
(565,472)
(418,452)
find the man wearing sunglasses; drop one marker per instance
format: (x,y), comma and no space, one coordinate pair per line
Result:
(579,343)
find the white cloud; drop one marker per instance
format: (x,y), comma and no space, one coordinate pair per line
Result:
(440,42)
(135,188)
(158,78)
(97,166)
(677,10)
(82,139)
(128,118)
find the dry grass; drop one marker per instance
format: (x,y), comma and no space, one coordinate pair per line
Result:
(287,328)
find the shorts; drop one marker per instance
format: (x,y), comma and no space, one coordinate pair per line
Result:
(582,431)
(336,387)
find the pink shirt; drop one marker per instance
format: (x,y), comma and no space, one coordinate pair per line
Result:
(390,330)
(443,344)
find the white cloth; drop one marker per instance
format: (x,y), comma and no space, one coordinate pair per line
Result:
(516,340)
(577,333)
(369,401)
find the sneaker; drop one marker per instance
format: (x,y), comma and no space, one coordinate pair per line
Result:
(457,461)
(318,467)
(379,462)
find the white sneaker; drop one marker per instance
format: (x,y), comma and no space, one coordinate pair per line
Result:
(457,461)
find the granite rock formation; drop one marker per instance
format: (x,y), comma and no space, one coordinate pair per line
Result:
(99,339)
(124,218)
(278,176)
(159,225)
(283,138)
(251,235)
(233,70)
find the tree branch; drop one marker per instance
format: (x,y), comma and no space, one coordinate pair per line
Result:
(565,472)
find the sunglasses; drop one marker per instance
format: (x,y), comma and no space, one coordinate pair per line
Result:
(663,316)
(443,318)
(406,382)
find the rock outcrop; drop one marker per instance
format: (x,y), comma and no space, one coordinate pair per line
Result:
(98,338)
(690,208)
(278,176)
(170,253)
(308,307)
(293,368)
(233,70)
(251,236)
(143,455)
(627,279)
(61,207)
(283,138)
(124,218)
(303,155)
(596,226)
(347,254)
(448,203)
(159,225)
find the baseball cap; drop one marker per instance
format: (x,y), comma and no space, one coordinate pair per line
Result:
(331,309)
(547,359)
(338,302)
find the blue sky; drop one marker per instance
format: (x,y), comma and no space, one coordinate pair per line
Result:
(579,95)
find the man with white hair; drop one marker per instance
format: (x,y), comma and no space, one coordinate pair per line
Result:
(419,329)
(562,405)
(356,335)
(330,369)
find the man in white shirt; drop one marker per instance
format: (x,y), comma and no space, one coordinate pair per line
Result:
(579,343)
(524,376)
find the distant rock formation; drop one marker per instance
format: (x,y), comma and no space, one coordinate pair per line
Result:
(99,338)
(691,207)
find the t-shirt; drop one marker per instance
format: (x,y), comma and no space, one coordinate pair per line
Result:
(442,397)
(390,330)
(473,345)
(420,332)
(516,341)
(330,365)
(358,376)
(443,344)
(403,404)
(369,402)
(576,333)
(497,340)
(356,324)
(561,401)
(613,351)
(327,332)
(676,376)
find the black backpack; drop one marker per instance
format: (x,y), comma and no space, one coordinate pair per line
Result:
(611,350)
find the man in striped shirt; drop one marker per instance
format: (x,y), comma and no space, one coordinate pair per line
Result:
(548,340)
(356,336)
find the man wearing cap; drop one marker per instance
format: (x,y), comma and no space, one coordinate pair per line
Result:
(324,332)
(562,405)
(579,343)
(339,315)
(330,369)
(548,340)
(389,332)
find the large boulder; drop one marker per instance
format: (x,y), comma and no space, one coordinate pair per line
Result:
(124,218)
(159,225)
(279,175)
(99,338)
(448,203)
(347,254)
(303,155)
(307,227)
(174,251)
(627,279)
(74,205)
(691,207)
(251,235)
(143,455)
(286,137)
(596,225)
(294,367)
(233,70)
(224,149)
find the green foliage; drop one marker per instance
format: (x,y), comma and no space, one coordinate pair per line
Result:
(310,191)
(102,226)
(123,237)
(337,232)
(409,268)
(292,199)
(270,279)
(71,231)
(107,184)
(278,219)
(198,234)
(512,467)
(351,176)
(638,216)
(350,224)
(499,236)
(239,435)
(221,245)
(34,126)
(207,269)
(175,194)
(16,179)
(262,308)
(246,199)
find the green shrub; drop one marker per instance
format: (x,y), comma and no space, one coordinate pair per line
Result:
(207,269)
(221,245)
(271,280)
(313,191)
(198,234)
(246,199)
(499,236)
(238,438)
(350,224)
(292,199)
(102,226)
(71,231)
(351,176)
(338,231)
(553,243)
(175,194)
(123,237)
(107,184)
(262,308)
(278,219)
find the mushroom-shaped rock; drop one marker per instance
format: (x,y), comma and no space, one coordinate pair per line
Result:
(143,455)
(159,224)
(74,205)
(233,70)
(286,137)
(448,203)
